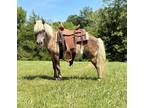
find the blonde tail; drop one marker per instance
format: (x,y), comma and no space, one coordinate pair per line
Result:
(101,57)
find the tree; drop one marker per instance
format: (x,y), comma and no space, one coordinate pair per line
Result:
(76,20)
(68,25)
(21,19)
(26,47)
(108,23)
(21,16)
(112,28)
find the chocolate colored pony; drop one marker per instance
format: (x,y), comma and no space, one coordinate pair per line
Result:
(94,48)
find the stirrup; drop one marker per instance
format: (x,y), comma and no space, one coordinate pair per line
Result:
(71,62)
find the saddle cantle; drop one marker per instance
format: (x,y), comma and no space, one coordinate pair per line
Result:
(70,39)
(80,35)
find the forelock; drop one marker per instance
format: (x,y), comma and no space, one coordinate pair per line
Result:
(38,26)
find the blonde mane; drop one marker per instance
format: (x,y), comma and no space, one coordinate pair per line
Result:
(39,26)
(49,30)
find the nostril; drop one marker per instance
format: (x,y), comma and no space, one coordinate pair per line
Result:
(37,43)
(40,42)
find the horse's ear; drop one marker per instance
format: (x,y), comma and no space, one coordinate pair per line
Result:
(34,21)
(43,21)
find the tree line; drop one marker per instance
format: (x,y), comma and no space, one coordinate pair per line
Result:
(108,23)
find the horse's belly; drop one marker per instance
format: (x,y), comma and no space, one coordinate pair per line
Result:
(79,51)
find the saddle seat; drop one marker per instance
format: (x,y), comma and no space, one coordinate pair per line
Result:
(73,36)
(79,32)
(67,32)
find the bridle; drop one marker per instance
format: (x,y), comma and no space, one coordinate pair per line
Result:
(39,32)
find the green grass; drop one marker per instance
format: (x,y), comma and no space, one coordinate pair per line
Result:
(78,88)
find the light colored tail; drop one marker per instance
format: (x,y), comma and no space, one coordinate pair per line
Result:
(101,56)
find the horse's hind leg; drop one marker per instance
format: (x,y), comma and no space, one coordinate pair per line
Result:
(98,67)
(100,71)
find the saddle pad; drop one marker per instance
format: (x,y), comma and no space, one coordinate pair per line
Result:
(81,38)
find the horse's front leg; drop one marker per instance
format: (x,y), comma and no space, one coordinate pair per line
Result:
(56,67)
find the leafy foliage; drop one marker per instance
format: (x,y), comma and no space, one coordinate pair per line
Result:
(27,49)
(112,28)
(108,23)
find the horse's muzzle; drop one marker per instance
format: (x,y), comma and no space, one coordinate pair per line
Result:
(39,43)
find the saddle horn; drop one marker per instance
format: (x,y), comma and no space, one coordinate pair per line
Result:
(61,26)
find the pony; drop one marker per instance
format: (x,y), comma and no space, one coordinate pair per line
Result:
(94,49)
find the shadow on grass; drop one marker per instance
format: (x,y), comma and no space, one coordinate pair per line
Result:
(63,78)
(38,76)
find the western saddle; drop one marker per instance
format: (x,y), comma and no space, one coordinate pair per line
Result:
(69,39)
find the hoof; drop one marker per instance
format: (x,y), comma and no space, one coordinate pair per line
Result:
(70,63)
(99,79)
(60,76)
(57,79)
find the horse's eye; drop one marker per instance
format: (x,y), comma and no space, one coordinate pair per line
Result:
(35,34)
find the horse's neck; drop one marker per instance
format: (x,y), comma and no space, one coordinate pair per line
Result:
(51,42)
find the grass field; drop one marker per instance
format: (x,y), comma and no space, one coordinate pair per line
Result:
(78,88)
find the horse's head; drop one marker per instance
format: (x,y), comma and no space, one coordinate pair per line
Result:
(39,31)
(42,30)
(40,36)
